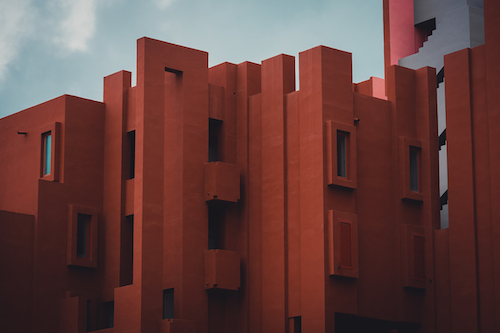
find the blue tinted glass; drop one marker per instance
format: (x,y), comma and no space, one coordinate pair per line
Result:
(48,154)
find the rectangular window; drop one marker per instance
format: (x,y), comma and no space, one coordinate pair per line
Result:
(341,154)
(127,251)
(413,170)
(130,155)
(214,129)
(47,152)
(345,245)
(168,303)
(109,314)
(82,236)
(89,328)
(215,226)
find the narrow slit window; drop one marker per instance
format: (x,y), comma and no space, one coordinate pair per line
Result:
(82,236)
(131,154)
(168,303)
(413,170)
(47,153)
(127,251)
(88,316)
(341,154)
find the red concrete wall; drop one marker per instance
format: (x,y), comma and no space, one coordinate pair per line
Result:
(284,234)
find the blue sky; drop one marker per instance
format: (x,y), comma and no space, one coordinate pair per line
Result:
(53,47)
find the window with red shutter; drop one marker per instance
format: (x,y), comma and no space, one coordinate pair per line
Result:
(418,257)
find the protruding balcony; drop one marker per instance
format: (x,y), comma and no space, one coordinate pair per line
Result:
(222,269)
(222,182)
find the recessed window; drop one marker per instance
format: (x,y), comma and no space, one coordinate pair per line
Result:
(214,129)
(109,314)
(130,155)
(47,152)
(82,237)
(168,303)
(413,170)
(216,215)
(127,251)
(341,154)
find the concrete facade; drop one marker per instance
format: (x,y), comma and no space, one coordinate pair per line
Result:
(223,200)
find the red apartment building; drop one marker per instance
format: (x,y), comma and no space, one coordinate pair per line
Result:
(223,200)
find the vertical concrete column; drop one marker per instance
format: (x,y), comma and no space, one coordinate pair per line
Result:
(399,31)
(462,233)
(293,203)
(316,74)
(248,82)
(115,122)
(184,74)
(278,79)
(427,132)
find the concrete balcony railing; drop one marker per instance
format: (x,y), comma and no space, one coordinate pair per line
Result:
(222,182)
(222,269)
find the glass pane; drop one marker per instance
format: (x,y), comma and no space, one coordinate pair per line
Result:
(48,153)
(341,155)
(413,170)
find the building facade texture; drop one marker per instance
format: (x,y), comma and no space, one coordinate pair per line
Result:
(222,199)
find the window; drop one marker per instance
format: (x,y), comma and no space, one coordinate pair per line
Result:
(341,163)
(295,325)
(168,303)
(341,154)
(413,170)
(342,242)
(215,226)
(109,314)
(47,153)
(82,236)
(410,169)
(129,155)
(214,129)
(127,251)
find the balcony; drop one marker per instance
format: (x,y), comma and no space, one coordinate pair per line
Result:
(222,269)
(222,182)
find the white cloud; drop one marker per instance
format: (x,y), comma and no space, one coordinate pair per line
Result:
(16,22)
(78,25)
(162,4)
